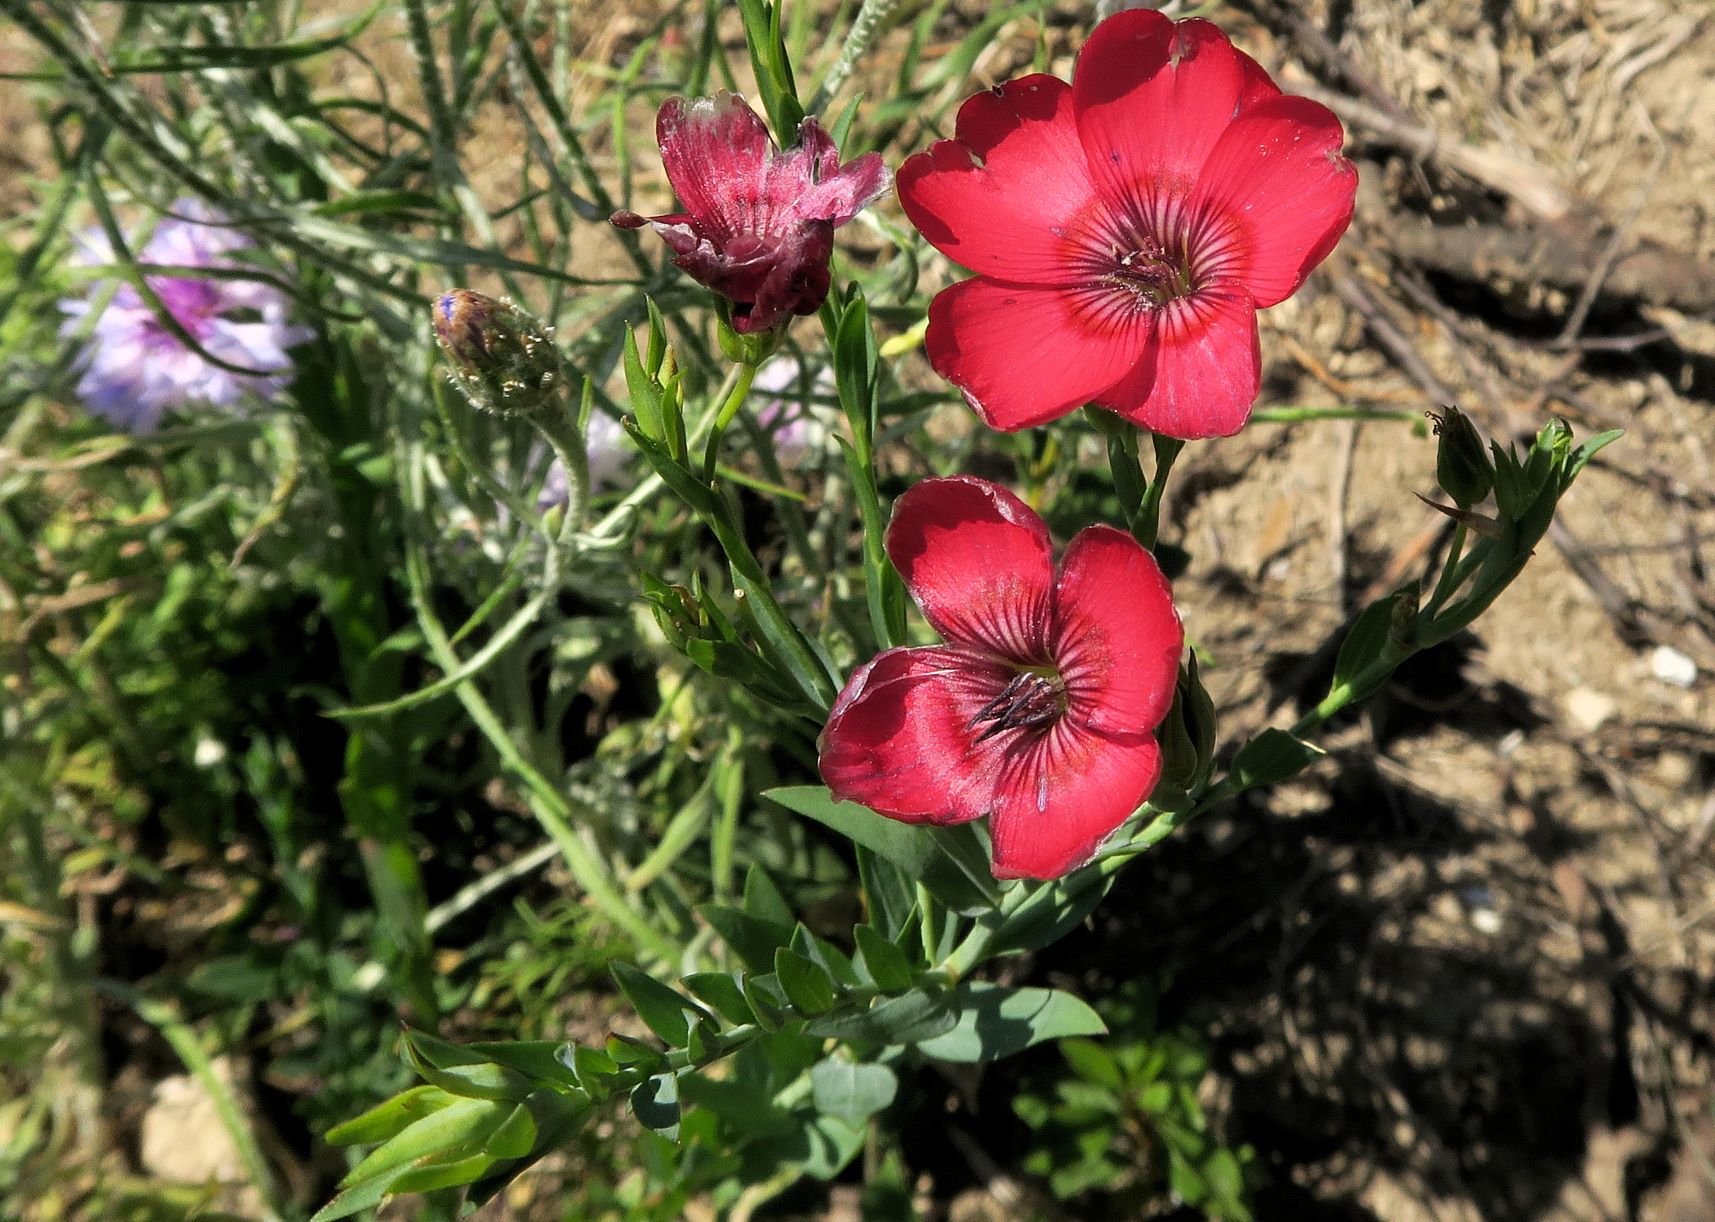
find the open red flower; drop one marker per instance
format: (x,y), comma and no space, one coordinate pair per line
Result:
(758,225)
(1125,229)
(1039,711)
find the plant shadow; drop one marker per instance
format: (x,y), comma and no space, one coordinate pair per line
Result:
(1372,1009)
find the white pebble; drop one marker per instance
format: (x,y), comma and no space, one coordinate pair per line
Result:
(1589,708)
(1671,666)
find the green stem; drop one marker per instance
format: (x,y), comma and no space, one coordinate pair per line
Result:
(1300,415)
(1149,514)
(735,396)
(1450,572)
(561,430)
(1449,580)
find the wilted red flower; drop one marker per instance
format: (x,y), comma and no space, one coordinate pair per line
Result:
(1126,228)
(1039,710)
(758,226)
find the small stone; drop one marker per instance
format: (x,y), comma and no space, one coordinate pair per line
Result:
(1589,708)
(1670,666)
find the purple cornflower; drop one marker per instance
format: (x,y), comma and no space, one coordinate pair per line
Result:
(135,369)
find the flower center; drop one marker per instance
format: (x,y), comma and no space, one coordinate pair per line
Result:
(193,302)
(1032,699)
(1150,272)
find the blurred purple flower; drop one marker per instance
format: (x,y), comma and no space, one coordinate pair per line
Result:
(608,451)
(793,414)
(135,369)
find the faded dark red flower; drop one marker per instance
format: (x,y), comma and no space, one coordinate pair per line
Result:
(758,225)
(1125,228)
(1039,710)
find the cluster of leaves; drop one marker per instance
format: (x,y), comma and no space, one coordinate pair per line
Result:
(1128,1122)
(785,1059)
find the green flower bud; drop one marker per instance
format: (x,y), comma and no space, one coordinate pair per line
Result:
(1188,734)
(747,347)
(1462,465)
(503,359)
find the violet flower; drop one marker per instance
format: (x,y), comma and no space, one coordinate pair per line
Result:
(758,225)
(134,369)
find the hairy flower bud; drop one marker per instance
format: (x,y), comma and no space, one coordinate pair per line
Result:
(1462,465)
(502,358)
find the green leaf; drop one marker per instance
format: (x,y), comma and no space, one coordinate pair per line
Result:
(391,1118)
(806,983)
(851,1092)
(356,1200)
(591,1065)
(745,1104)
(913,849)
(660,1007)
(1584,453)
(886,964)
(434,1177)
(461,1072)
(995,1021)
(1271,757)
(753,941)
(1091,1061)
(833,1145)
(460,1125)
(766,1000)
(655,1103)
(763,901)
(895,1020)
(722,993)
(537,1059)
(515,1137)
(1370,641)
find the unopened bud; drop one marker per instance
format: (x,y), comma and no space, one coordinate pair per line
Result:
(1462,465)
(747,347)
(502,358)
(1188,734)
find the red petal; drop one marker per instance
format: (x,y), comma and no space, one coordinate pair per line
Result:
(1058,798)
(1117,637)
(1152,98)
(810,184)
(716,152)
(979,562)
(1208,369)
(1278,177)
(899,739)
(1002,197)
(1024,356)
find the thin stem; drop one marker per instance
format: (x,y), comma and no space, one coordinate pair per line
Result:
(1299,415)
(865,27)
(561,430)
(1149,513)
(1449,580)
(735,396)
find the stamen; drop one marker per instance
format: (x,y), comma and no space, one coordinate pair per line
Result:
(1030,700)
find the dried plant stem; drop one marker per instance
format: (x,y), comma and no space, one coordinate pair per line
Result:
(865,27)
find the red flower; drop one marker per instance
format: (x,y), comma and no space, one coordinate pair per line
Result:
(1126,228)
(1039,709)
(758,226)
